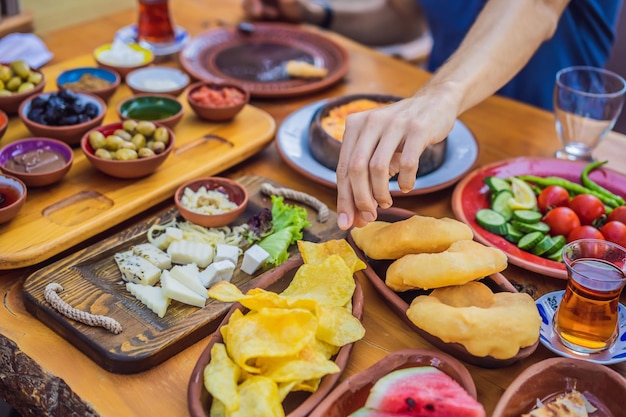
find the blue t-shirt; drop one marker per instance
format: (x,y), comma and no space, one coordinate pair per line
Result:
(584,36)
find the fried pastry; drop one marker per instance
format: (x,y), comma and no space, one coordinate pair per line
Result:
(486,324)
(462,262)
(302,69)
(416,234)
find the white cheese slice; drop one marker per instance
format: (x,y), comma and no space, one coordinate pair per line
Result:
(253,258)
(179,292)
(227,252)
(190,252)
(216,272)
(138,270)
(154,255)
(151,297)
(189,275)
(165,239)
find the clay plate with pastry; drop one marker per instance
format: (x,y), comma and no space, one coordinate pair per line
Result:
(400,301)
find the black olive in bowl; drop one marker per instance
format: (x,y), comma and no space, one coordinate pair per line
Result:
(326,131)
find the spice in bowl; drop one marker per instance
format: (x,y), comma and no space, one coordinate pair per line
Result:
(88,82)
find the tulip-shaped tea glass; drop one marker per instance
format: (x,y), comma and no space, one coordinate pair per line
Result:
(587,103)
(587,318)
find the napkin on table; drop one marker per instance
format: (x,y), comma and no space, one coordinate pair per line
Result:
(24,46)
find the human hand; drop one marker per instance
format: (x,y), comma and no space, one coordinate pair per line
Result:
(379,143)
(289,10)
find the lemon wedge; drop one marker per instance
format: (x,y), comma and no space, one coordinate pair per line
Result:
(524,197)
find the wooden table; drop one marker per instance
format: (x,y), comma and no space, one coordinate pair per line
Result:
(42,374)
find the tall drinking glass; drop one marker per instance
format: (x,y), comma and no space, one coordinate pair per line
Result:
(587,103)
(587,318)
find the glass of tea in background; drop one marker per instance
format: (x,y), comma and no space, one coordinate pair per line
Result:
(587,103)
(155,24)
(587,318)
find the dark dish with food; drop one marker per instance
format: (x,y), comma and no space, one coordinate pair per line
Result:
(63,108)
(12,197)
(159,108)
(36,161)
(328,125)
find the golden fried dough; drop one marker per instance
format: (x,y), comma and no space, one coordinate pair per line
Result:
(416,234)
(464,261)
(486,324)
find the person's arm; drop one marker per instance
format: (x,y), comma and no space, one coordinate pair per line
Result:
(382,142)
(371,22)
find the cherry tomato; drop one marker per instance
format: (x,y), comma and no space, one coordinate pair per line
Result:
(588,207)
(584,232)
(561,220)
(615,231)
(552,196)
(619,214)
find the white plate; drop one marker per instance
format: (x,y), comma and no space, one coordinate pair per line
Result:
(292,141)
(547,306)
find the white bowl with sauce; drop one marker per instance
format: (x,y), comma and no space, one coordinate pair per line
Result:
(38,162)
(157,79)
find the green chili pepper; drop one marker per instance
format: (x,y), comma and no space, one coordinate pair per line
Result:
(570,186)
(589,183)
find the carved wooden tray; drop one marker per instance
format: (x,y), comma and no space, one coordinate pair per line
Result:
(87,202)
(92,282)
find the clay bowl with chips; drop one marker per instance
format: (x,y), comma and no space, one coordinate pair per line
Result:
(602,387)
(328,125)
(197,202)
(296,404)
(351,394)
(400,301)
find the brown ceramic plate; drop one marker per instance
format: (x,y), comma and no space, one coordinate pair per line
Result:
(256,58)
(400,301)
(603,387)
(297,404)
(352,393)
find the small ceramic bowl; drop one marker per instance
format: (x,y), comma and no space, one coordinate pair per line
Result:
(122,58)
(11,103)
(157,79)
(158,108)
(135,168)
(352,393)
(12,197)
(71,133)
(37,161)
(234,191)
(4,123)
(99,81)
(208,100)
(603,387)
(325,146)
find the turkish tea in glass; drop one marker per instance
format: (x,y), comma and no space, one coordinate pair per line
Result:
(155,25)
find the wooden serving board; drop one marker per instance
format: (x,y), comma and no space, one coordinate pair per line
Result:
(87,202)
(93,283)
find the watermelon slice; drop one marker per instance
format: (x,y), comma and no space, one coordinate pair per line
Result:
(420,392)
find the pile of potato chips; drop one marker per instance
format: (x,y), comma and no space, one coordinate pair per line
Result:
(285,341)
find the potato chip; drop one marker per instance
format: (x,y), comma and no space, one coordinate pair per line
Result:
(218,409)
(316,253)
(221,377)
(259,398)
(258,298)
(329,283)
(225,291)
(270,332)
(338,326)
(308,364)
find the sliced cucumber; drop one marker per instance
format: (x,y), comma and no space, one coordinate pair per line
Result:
(492,221)
(496,184)
(531,227)
(556,256)
(513,235)
(529,240)
(500,203)
(527,216)
(559,242)
(543,245)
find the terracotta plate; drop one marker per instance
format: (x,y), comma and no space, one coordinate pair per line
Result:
(471,194)
(352,393)
(547,306)
(257,58)
(297,404)
(293,147)
(400,301)
(603,387)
